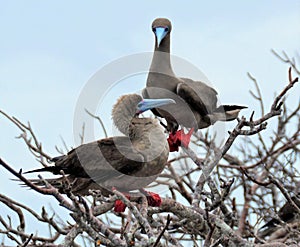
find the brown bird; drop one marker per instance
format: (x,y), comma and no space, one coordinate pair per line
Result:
(196,103)
(286,214)
(127,162)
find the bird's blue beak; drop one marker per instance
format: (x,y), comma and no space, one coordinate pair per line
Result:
(148,104)
(160,33)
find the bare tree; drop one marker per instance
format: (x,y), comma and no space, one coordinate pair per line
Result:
(242,193)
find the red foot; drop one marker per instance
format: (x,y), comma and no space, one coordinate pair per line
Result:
(186,138)
(179,139)
(119,205)
(153,199)
(173,141)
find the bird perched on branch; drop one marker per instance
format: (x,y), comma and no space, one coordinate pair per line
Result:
(126,163)
(286,214)
(196,103)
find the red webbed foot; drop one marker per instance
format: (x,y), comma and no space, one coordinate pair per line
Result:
(173,141)
(179,138)
(153,199)
(120,206)
(186,138)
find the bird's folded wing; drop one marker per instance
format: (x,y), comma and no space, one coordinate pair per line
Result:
(198,95)
(102,159)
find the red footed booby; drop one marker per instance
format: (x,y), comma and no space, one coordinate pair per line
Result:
(196,103)
(126,163)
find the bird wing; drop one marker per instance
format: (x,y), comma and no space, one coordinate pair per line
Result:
(198,95)
(101,160)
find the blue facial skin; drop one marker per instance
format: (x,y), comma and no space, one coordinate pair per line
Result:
(160,33)
(148,104)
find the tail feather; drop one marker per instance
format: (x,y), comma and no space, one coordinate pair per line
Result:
(225,108)
(78,186)
(53,169)
(58,183)
(228,112)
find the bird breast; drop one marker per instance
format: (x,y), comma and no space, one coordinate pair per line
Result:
(150,141)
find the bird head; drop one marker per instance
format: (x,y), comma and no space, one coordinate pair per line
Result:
(130,106)
(161,28)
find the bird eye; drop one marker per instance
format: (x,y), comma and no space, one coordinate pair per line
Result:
(166,29)
(153,29)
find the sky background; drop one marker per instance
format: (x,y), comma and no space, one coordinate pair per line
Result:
(50,49)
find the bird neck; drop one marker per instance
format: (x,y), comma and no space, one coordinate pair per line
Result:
(145,132)
(161,61)
(148,139)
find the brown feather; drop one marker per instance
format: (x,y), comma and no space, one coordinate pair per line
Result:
(196,102)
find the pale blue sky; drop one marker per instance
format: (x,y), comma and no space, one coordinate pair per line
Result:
(50,49)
